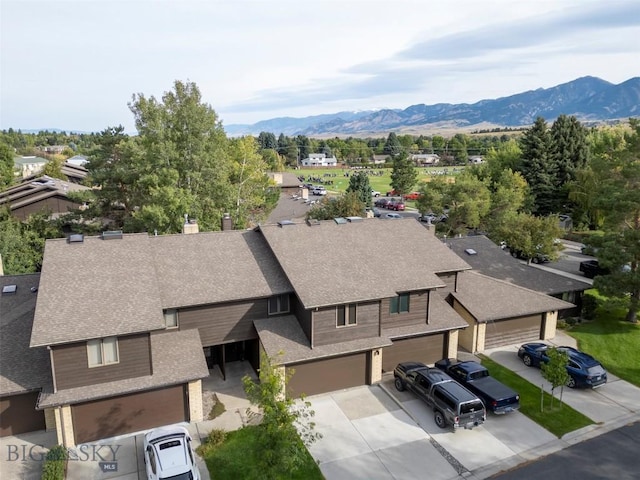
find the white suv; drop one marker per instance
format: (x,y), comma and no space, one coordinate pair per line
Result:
(319,191)
(168,454)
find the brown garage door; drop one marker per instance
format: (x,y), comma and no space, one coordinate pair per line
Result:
(18,414)
(129,413)
(327,375)
(517,330)
(426,349)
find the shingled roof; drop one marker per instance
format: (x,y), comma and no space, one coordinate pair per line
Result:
(489,299)
(494,262)
(22,369)
(121,286)
(332,263)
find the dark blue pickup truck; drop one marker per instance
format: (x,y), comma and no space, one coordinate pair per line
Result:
(496,396)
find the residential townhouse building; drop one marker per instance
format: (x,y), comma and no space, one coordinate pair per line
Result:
(133,322)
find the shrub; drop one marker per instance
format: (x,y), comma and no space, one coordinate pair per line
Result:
(215,438)
(55,464)
(589,306)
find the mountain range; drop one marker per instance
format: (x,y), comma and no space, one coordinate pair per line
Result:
(590,99)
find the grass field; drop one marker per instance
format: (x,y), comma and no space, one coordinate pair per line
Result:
(380,182)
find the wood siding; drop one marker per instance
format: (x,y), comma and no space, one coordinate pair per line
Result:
(450,280)
(416,315)
(71,365)
(325,330)
(224,323)
(18,414)
(303,316)
(129,413)
(53,204)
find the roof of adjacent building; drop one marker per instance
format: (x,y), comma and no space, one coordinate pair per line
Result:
(22,369)
(121,286)
(36,189)
(332,263)
(492,261)
(177,358)
(489,299)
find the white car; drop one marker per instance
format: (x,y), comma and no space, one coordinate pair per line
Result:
(392,215)
(168,454)
(319,191)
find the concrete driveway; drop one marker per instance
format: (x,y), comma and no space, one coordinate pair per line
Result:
(379,433)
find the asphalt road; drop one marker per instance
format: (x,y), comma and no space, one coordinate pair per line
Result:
(613,455)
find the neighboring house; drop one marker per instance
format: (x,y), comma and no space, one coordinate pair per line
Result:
(319,160)
(24,371)
(134,322)
(53,148)
(288,182)
(27,166)
(39,194)
(379,159)
(425,159)
(489,259)
(78,160)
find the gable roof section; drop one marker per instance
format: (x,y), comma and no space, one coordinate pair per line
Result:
(22,369)
(215,267)
(331,263)
(489,299)
(494,262)
(95,289)
(99,288)
(37,189)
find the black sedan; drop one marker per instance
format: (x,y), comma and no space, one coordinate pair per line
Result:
(583,369)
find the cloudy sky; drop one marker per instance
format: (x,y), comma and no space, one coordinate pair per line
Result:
(75,65)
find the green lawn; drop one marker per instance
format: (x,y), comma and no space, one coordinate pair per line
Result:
(235,459)
(559,420)
(612,341)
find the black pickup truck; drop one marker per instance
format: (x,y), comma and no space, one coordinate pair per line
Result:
(496,396)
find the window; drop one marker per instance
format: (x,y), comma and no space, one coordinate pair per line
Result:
(346,315)
(171,318)
(279,304)
(399,304)
(102,351)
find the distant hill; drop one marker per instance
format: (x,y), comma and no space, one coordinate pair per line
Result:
(590,99)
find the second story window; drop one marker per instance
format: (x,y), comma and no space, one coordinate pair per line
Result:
(102,351)
(346,315)
(399,304)
(278,304)
(171,318)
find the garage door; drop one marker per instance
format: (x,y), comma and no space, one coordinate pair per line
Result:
(517,330)
(129,413)
(18,414)
(322,376)
(427,349)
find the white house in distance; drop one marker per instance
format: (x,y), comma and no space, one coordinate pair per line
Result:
(426,158)
(319,160)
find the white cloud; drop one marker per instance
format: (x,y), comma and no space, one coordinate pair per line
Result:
(76,64)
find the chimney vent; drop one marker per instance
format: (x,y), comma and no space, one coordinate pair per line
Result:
(112,235)
(227,222)
(284,223)
(354,219)
(75,238)
(312,222)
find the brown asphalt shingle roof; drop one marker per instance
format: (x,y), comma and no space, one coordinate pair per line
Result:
(331,263)
(489,299)
(120,286)
(22,369)
(491,260)
(285,342)
(177,357)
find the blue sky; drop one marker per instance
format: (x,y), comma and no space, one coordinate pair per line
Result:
(75,65)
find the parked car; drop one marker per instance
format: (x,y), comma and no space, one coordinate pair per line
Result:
(319,191)
(592,268)
(392,215)
(536,258)
(452,403)
(496,396)
(583,369)
(168,454)
(396,204)
(412,196)
(382,202)
(375,193)
(375,211)
(433,218)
